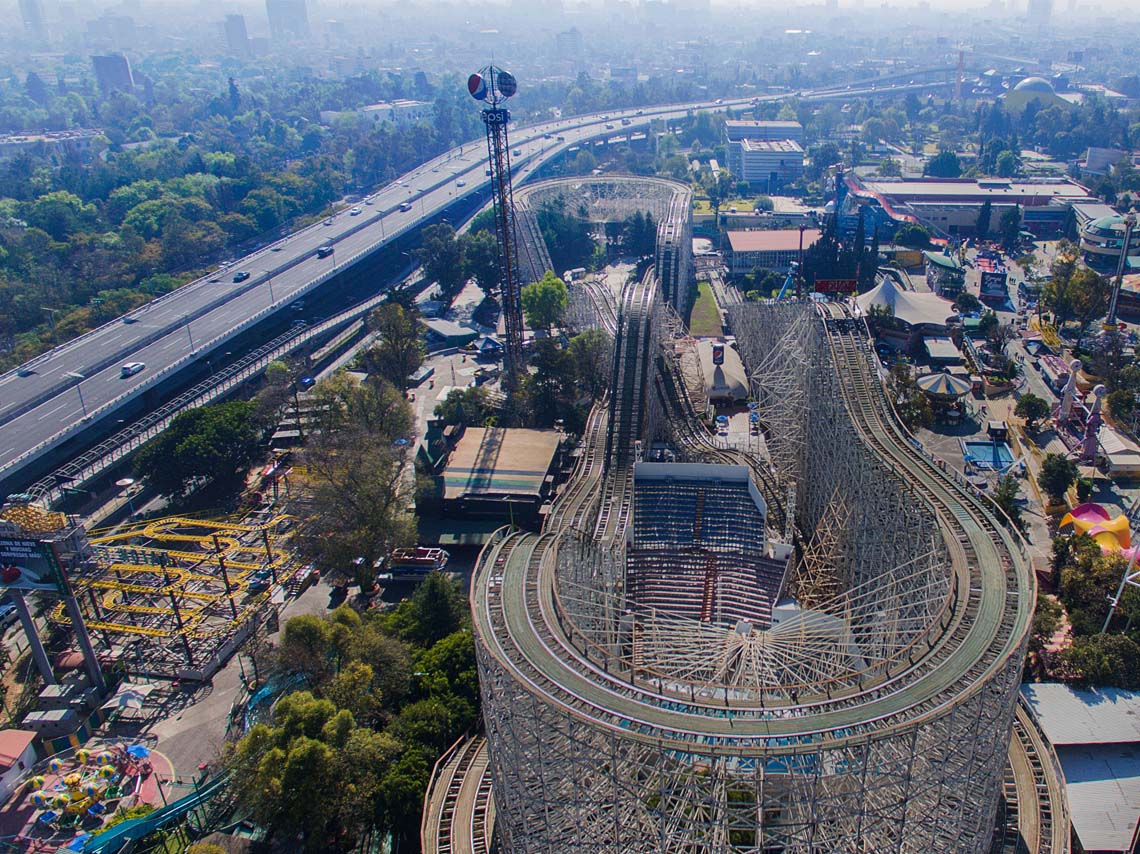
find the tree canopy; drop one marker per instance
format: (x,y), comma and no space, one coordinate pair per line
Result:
(399,349)
(544,302)
(209,447)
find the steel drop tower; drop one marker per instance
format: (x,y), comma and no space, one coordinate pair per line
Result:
(494,86)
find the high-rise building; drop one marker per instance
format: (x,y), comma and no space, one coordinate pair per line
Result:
(569,44)
(32,11)
(113,73)
(1039,11)
(237,37)
(288,19)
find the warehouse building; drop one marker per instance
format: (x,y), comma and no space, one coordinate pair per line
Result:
(770,164)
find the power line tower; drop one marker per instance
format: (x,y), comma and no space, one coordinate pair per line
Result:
(494,86)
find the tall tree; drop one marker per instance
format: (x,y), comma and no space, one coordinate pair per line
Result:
(544,302)
(441,255)
(985,213)
(399,349)
(481,255)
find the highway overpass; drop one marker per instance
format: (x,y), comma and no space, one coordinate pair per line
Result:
(62,394)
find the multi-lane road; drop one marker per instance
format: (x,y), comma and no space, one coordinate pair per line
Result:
(63,392)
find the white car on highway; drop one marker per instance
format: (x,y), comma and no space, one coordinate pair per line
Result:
(130,369)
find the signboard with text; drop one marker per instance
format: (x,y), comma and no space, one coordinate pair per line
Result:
(835,286)
(27,564)
(994,284)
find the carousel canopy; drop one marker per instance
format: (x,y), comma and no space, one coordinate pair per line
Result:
(943,385)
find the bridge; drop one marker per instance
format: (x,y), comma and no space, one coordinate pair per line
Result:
(66,400)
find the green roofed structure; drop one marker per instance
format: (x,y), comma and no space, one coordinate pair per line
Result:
(944,275)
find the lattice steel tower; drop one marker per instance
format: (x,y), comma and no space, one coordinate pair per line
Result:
(494,86)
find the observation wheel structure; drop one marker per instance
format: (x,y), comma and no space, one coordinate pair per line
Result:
(876,717)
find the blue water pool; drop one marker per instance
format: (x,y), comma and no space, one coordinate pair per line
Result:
(988,455)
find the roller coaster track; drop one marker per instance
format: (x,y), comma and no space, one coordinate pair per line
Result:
(524,627)
(1036,806)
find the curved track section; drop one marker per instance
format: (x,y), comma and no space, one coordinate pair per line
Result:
(589,753)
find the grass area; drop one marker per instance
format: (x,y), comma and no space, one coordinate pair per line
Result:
(704,321)
(703,206)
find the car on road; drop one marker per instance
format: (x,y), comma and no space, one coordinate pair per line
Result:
(354,212)
(368,201)
(460,183)
(609,126)
(7,613)
(130,369)
(561,138)
(241,275)
(328,221)
(324,251)
(487,172)
(406,206)
(518,152)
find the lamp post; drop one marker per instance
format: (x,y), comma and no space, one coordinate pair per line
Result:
(189,334)
(79,388)
(269,280)
(51,319)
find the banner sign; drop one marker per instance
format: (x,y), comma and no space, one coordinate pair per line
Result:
(27,564)
(835,286)
(994,284)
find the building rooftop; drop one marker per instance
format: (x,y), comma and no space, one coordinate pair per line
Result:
(13,743)
(916,189)
(784,240)
(789,146)
(490,461)
(1096,735)
(1071,716)
(792,125)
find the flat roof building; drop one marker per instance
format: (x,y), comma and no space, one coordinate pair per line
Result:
(736,132)
(951,206)
(501,472)
(1096,736)
(767,250)
(113,73)
(770,164)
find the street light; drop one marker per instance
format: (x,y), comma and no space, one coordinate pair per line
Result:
(79,388)
(189,334)
(270,281)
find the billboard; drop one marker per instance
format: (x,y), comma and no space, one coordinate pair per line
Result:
(835,286)
(994,284)
(27,564)
(718,354)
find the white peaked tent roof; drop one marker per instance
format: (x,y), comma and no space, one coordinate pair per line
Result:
(908,306)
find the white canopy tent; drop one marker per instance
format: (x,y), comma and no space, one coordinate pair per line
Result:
(910,307)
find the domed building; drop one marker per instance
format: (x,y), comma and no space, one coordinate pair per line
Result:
(1101,241)
(1034,89)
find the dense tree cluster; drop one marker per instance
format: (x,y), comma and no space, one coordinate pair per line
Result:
(1085,578)
(381,697)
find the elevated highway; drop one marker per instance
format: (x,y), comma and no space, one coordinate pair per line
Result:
(68,392)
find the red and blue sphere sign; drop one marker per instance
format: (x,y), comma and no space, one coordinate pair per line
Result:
(477,86)
(503,81)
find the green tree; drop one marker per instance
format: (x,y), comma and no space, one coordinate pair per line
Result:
(470,406)
(441,255)
(944,164)
(552,381)
(1009,228)
(210,447)
(434,611)
(1007,164)
(985,214)
(1005,497)
(481,254)
(911,402)
(1032,408)
(399,349)
(912,234)
(889,167)
(1057,474)
(1105,660)
(544,302)
(592,351)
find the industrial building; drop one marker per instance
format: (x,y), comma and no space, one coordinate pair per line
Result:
(1096,737)
(766,250)
(951,206)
